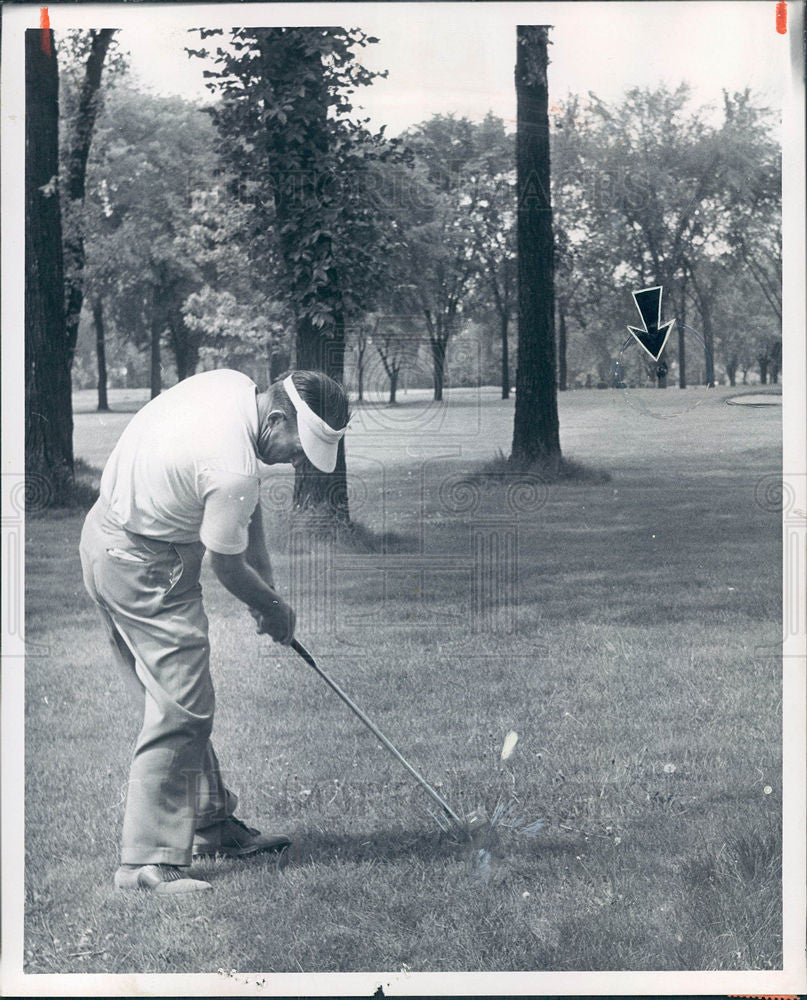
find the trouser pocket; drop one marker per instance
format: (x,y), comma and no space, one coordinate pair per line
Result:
(136,575)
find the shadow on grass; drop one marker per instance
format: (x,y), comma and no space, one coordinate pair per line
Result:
(564,470)
(75,499)
(385,845)
(360,538)
(350,536)
(322,847)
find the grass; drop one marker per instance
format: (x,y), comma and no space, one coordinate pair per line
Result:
(636,657)
(563,470)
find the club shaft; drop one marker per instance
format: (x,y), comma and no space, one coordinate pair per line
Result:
(309,659)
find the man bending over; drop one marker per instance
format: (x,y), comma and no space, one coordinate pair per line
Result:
(184,477)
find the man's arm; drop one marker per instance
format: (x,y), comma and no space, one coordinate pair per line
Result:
(236,575)
(256,555)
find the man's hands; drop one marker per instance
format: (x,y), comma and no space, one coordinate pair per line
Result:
(273,615)
(279,624)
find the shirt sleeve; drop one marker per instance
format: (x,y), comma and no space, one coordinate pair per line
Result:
(230,500)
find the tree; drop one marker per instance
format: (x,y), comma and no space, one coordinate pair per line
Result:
(753,183)
(493,217)
(776,360)
(396,346)
(438,232)
(100,351)
(286,134)
(150,163)
(666,159)
(48,352)
(90,50)
(768,355)
(536,435)
(392,359)
(588,245)
(231,318)
(706,282)
(734,343)
(735,248)
(651,191)
(237,333)
(359,334)
(584,239)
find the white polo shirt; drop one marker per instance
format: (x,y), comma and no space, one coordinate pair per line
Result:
(186,467)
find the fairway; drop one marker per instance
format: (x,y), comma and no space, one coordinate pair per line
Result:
(626,627)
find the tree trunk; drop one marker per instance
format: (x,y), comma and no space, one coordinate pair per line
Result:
(682,356)
(156,360)
(279,362)
(184,343)
(360,374)
(708,344)
(184,347)
(323,491)
(776,361)
(763,370)
(48,402)
(180,365)
(536,435)
(561,348)
(505,323)
(78,154)
(100,351)
(393,385)
(438,346)
(731,371)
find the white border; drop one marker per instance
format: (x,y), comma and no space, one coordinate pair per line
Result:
(794,433)
(793,979)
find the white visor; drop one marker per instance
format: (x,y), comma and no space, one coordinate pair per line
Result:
(319,440)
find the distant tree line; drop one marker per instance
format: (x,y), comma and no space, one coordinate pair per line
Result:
(448,202)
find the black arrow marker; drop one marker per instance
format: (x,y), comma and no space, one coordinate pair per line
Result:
(653,336)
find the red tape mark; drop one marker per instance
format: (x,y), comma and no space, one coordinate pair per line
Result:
(44,24)
(781,17)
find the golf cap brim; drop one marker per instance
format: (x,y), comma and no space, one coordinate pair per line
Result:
(319,440)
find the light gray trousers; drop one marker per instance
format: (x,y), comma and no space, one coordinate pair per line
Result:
(150,598)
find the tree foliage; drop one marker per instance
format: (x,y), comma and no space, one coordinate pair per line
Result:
(649,190)
(151,168)
(302,163)
(85,54)
(493,217)
(434,195)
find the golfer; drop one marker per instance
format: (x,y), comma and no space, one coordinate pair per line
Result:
(184,477)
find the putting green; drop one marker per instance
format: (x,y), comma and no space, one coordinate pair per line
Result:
(756,399)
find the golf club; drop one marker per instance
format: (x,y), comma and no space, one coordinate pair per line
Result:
(472,822)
